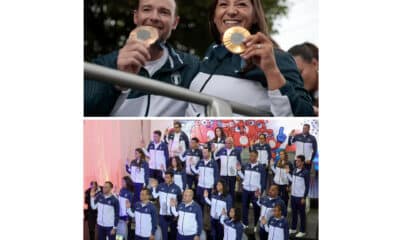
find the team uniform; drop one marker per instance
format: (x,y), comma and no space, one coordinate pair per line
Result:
(281,178)
(139,172)
(177,143)
(228,159)
(264,153)
(218,143)
(107,215)
(124,195)
(220,67)
(278,228)
(190,220)
(159,156)
(267,205)
(145,216)
(165,193)
(218,202)
(232,230)
(174,67)
(180,178)
(195,155)
(300,186)
(254,178)
(207,170)
(306,144)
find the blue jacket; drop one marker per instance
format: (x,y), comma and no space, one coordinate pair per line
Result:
(139,171)
(232,230)
(100,98)
(278,229)
(161,148)
(179,178)
(107,210)
(124,194)
(228,163)
(164,193)
(195,153)
(300,182)
(190,218)
(145,219)
(305,145)
(264,152)
(254,177)
(221,75)
(219,202)
(208,173)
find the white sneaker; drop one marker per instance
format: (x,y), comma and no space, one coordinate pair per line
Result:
(245,226)
(300,234)
(255,229)
(292,231)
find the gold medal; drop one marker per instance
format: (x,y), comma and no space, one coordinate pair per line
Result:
(145,34)
(233,39)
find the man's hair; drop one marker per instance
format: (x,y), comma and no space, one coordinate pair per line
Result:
(158,132)
(301,157)
(207,148)
(263,134)
(307,125)
(148,192)
(109,183)
(137,3)
(170,173)
(196,139)
(178,123)
(306,50)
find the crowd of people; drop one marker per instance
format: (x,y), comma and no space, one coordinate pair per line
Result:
(170,184)
(263,76)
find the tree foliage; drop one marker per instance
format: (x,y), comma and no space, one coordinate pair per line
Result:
(108,24)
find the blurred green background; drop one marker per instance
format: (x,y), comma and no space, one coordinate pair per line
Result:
(108,24)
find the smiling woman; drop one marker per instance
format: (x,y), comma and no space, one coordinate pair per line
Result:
(263,76)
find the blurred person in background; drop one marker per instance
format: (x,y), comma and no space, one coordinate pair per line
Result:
(306,56)
(91,214)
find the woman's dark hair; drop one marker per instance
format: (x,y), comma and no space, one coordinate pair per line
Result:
(259,26)
(238,215)
(223,136)
(306,50)
(178,163)
(280,162)
(142,155)
(224,187)
(129,183)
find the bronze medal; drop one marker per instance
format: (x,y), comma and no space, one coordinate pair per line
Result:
(146,34)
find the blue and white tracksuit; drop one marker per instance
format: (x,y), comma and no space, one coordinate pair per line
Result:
(228,159)
(218,143)
(158,155)
(278,228)
(232,230)
(300,186)
(208,177)
(124,195)
(305,145)
(254,178)
(190,219)
(264,153)
(177,143)
(195,155)
(165,193)
(145,215)
(267,205)
(180,178)
(281,178)
(139,172)
(218,202)
(107,214)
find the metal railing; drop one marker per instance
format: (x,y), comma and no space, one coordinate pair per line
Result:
(215,106)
